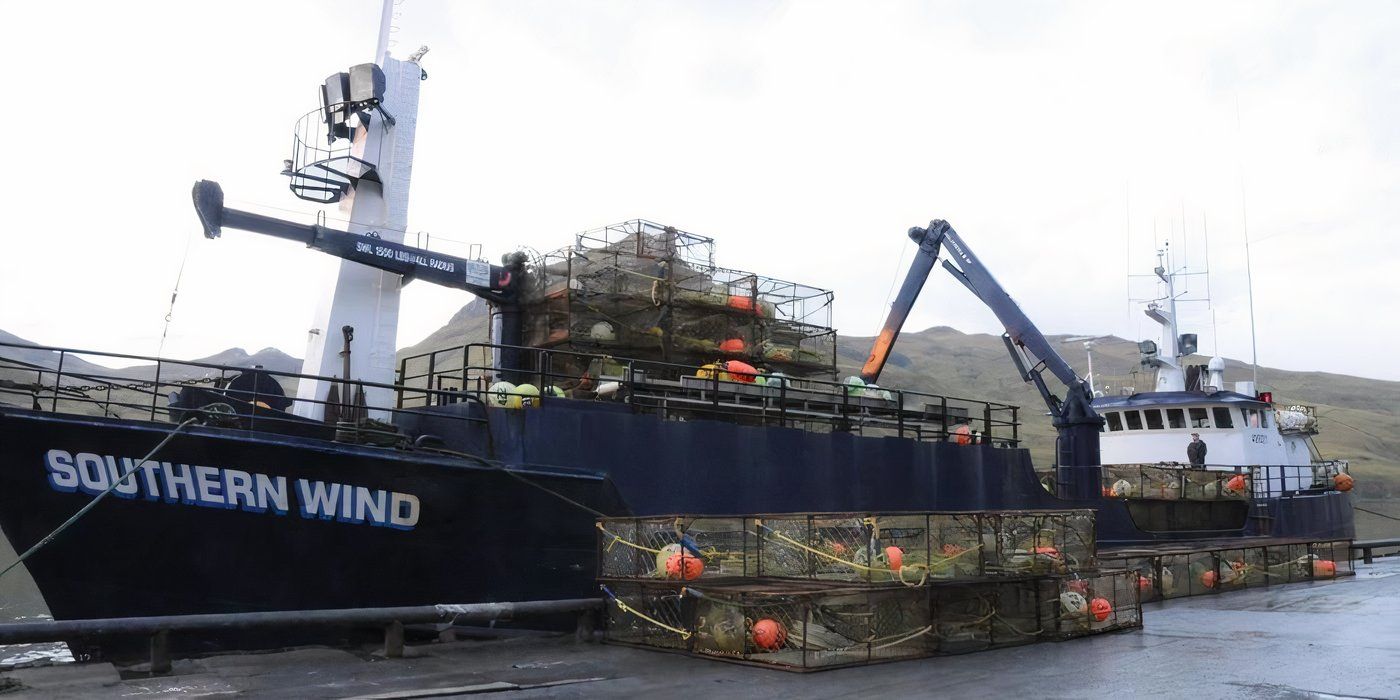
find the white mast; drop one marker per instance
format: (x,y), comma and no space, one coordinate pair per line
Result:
(362,297)
(1169,374)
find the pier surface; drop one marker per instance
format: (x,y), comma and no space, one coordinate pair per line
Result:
(1309,640)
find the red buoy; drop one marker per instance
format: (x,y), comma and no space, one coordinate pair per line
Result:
(1100,608)
(1343,482)
(733,346)
(1208,578)
(740,371)
(895,555)
(769,634)
(962,434)
(685,567)
(1324,568)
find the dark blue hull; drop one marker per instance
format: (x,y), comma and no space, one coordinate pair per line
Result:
(478,532)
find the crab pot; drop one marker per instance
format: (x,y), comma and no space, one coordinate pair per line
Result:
(847,547)
(1174,578)
(1256,561)
(1290,563)
(1149,576)
(962,617)
(1232,571)
(1093,604)
(791,625)
(683,548)
(655,616)
(958,545)
(1330,559)
(1041,542)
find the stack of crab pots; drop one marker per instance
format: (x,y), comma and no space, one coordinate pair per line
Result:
(810,591)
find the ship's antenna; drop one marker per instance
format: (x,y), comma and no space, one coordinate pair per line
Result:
(1214,328)
(386,27)
(1244,221)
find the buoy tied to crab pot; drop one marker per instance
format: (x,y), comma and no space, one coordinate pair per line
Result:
(1100,608)
(683,566)
(1343,482)
(740,371)
(1324,568)
(962,434)
(1208,578)
(732,346)
(499,394)
(895,556)
(710,371)
(1144,584)
(1236,483)
(769,634)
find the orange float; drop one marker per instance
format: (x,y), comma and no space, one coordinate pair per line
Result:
(1144,585)
(746,304)
(1208,579)
(733,346)
(895,556)
(769,634)
(1343,482)
(1324,568)
(962,435)
(684,566)
(740,371)
(1100,608)
(1236,483)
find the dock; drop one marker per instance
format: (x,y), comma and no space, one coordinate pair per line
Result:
(1335,638)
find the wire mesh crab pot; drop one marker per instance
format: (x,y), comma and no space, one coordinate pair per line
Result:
(682,548)
(1084,605)
(976,616)
(1040,542)
(1331,559)
(790,625)
(857,548)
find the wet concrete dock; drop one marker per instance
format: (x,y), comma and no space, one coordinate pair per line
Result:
(1326,639)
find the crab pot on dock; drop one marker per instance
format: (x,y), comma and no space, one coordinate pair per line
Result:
(675,547)
(1093,604)
(1041,542)
(791,625)
(1180,572)
(923,547)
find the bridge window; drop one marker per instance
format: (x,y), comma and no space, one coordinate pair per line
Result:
(1222,417)
(1115,421)
(1251,417)
(1199,418)
(1176,418)
(1154,419)
(1134,420)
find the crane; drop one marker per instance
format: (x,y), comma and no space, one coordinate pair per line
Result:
(1074,418)
(495,283)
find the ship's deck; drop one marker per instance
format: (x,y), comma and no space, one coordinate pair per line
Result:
(1326,639)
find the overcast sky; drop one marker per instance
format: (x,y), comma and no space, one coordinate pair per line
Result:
(1065,142)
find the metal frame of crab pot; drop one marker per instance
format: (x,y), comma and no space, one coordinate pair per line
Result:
(934,545)
(814,625)
(633,548)
(1222,568)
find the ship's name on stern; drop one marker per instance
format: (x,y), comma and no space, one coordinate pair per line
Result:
(230,489)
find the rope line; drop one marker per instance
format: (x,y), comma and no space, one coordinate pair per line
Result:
(624,607)
(93,503)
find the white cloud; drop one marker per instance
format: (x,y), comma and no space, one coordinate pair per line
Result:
(805,137)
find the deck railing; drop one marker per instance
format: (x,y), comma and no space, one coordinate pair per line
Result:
(67,380)
(683,392)
(1213,482)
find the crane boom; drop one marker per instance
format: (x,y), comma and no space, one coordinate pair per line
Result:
(1073,417)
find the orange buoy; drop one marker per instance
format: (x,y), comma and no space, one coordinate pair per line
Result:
(1208,578)
(733,346)
(1343,482)
(962,434)
(769,634)
(748,304)
(895,556)
(685,567)
(1236,483)
(1100,608)
(740,371)
(1144,584)
(1324,568)
(1047,551)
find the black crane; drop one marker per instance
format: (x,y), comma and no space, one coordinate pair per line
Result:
(1078,425)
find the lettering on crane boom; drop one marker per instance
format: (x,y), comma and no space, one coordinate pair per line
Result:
(407,256)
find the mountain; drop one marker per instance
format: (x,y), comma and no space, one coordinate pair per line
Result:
(1359,417)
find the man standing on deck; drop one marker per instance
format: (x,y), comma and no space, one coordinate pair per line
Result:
(1196,451)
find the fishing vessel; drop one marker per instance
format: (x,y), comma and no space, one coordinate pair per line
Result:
(627,373)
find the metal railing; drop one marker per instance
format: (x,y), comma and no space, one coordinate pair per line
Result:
(1214,482)
(61,380)
(682,392)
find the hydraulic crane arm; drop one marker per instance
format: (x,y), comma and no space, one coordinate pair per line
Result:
(480,278)
(1032,353)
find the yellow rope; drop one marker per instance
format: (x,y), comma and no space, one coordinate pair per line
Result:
(685,634)
(923,568)
(616,539)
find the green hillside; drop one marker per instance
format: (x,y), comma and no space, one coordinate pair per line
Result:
(1359,418)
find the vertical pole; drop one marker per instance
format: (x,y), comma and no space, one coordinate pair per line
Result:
(160,652)
(386,26)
